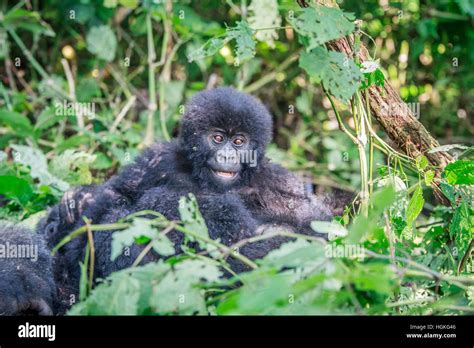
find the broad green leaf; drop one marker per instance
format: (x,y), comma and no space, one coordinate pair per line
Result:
(142,230)
(461,228)
(73,142)
(333,229)
(101,41)
(73,167)
(363,226)
(47,118)
(321,24)
(191,216)
(377,277)
(18,123)
(118,295)
(414,206)
(187,21)
(244,42)
(102,161)
(460,173)
(20,18)
(298,253)
(87,89)
(15,188)
(338,73)
(36,161)
(178,291)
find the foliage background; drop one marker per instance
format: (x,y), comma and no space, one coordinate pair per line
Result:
(426,50)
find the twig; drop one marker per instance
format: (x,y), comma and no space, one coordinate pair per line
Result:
(272,75)
(122,113)
(72,91)
(462,282)
(150,127)
(339,119)
(6,97)
(90,238)
(149,246)
(410,302)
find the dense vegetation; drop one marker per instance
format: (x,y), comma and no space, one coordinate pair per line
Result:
(131,65)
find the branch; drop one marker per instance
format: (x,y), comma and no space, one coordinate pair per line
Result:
(401,126)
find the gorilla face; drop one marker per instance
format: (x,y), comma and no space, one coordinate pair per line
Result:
(229,153)
(223,135)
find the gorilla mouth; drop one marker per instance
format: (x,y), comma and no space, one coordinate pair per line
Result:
(226,175)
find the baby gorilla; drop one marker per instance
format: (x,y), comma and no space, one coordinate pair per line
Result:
(219,156)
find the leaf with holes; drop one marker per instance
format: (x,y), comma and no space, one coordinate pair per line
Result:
(339,74)
(245,44)
(210,48)
(321,24)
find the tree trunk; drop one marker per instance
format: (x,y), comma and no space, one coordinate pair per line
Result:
(397,120)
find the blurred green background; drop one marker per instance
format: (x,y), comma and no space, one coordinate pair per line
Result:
(426,50)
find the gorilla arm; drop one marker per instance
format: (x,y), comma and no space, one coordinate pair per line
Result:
(276,195)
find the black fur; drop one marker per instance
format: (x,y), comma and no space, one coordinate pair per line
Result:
(26,282)
(262,196)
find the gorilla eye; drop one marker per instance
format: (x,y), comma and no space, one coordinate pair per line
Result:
(218,138)
(239,141)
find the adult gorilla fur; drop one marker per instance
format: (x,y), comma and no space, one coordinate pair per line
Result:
(236,199)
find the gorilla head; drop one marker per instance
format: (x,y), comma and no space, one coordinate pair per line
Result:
(224,134)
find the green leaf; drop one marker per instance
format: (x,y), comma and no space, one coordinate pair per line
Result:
(18,123)
(363,226)
(191,216)
(101,41)
(72,142)
(245,44)
(119,295)
(87,89)
(414,206)
(73,167)
(131,4)
(321,24)
(461,228)
(36,161)
(15,188)
(379,79)
(102,161)
(429,176)
(177,292)
(339,74)
(460,173)
(141,229)
(377,277)
(421,162)
(19,18)
(210,48)
(333,229)
(298,253)
(187,21)
(47,118)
